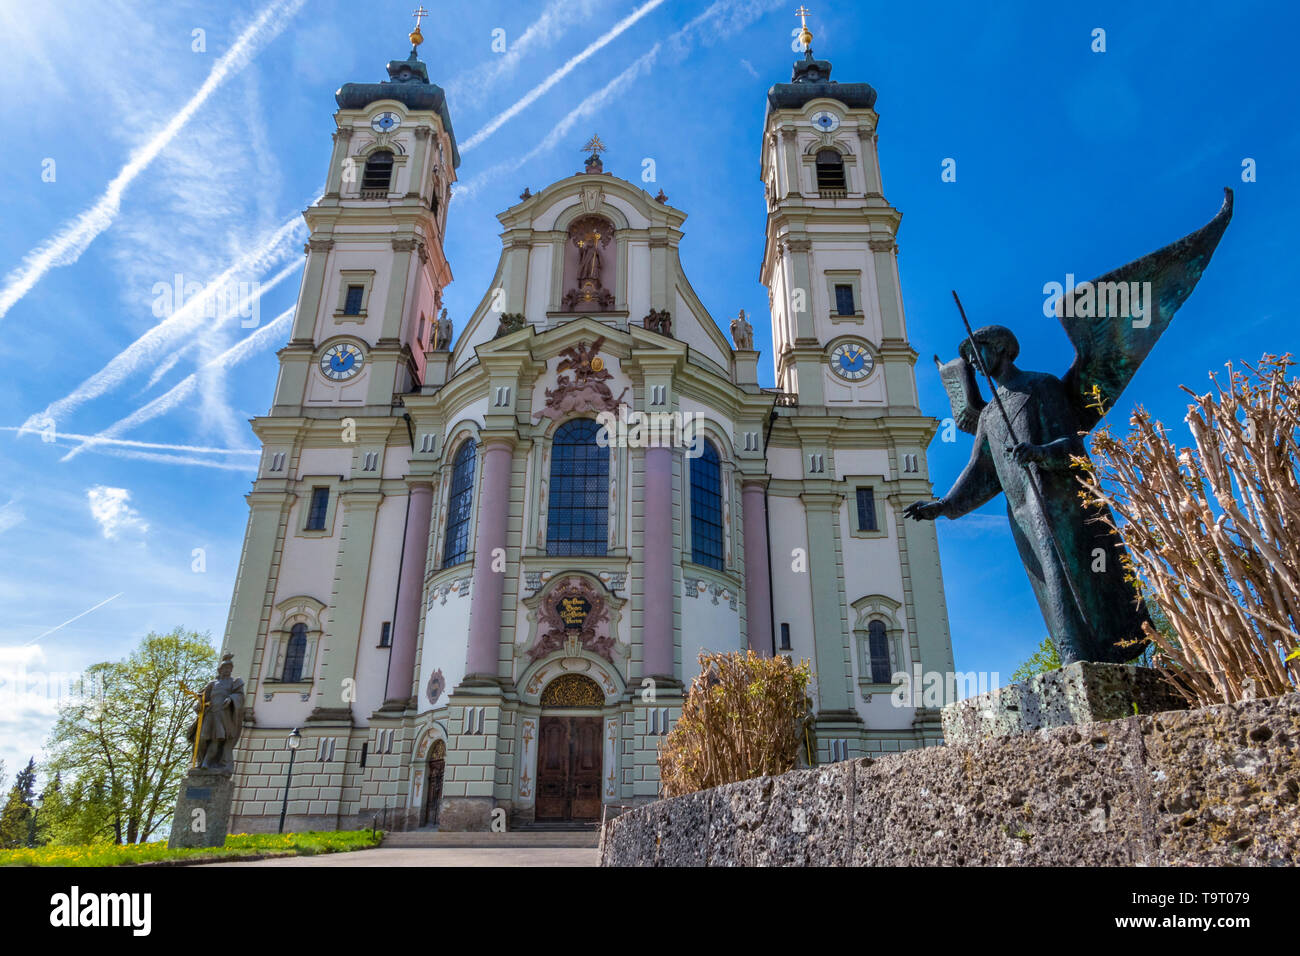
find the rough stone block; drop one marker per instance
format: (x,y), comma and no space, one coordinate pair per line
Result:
(1068,796)
(1080,693)
(202,817)
(1226,783)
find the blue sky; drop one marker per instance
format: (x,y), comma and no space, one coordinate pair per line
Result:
(1067,161)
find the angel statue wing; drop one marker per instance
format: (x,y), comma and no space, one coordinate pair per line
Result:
(958,377)
(1115,320)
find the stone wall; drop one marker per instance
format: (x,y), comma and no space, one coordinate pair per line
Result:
(1219,785)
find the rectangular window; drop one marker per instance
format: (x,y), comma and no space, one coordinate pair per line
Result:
(867,509)
(352,304)
(386,634)
(365,745)
(844,300)
(785,636)
(320,504)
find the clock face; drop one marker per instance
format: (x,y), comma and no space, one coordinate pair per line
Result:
(385,122)
(826,121)
(342,361)
(852,361)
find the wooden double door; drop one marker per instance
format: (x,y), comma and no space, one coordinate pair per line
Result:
(568,768)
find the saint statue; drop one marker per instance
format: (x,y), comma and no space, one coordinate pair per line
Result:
(1026,436)
(220,706)
(590,261)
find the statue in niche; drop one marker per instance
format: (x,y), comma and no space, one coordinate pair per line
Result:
(590,235)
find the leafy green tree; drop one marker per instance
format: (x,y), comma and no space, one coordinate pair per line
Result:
(121,740)
(1046,658)
(82,814)
(16,818)
(52,808)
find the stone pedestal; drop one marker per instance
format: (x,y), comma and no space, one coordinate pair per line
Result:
(1080,693)
(202,810)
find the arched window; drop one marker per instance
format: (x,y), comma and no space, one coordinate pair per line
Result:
(578,518)
(878,645)
(294,654)
(459,500)
(830,172)
(378,175)
(706,508)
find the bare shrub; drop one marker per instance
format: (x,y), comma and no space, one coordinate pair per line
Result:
(743,717)
(1213,532)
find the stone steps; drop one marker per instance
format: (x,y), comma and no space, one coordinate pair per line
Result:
(511,839)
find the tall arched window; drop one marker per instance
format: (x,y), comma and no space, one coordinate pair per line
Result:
(378,175)
(460,498)
(577,522)
(878,645)
(294,654)
(706,508)
(830,172)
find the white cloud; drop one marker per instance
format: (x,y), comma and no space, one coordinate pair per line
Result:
(110,509)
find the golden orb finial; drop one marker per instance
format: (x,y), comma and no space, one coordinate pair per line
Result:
(415,35)
(805,35)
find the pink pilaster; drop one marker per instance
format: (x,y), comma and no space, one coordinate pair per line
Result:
(657,556)
(410,586)
(758,582)
(489,585)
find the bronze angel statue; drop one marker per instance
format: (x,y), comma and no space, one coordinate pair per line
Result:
(1025,437)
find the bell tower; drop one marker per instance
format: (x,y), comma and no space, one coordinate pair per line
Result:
(325,615)
(371,297)
(848,440)
(838,331)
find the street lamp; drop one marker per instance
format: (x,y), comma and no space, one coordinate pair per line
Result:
(295,739)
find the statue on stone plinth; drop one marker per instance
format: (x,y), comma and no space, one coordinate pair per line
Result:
(220,721)
(1026,436)
(742,333)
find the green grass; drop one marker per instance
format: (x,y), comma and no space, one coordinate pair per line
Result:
(238,844)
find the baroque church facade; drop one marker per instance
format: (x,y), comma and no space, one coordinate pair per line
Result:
(479,567)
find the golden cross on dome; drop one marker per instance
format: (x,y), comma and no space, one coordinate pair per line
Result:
(594,146)
(416,36)
(805,37)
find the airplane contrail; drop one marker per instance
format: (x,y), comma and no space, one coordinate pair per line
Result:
(165,402)
(157,339)
(66,246)
(528,98)
(71,619)
(132,443)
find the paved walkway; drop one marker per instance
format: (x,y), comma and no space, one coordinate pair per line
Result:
(438,856)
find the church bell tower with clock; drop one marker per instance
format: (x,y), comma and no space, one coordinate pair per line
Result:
(848,440)
(324,620)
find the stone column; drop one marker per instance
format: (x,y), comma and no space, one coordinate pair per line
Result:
(410,588)
(829,643)
(489,586)
(758,582)
(657,559)
(358,511)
